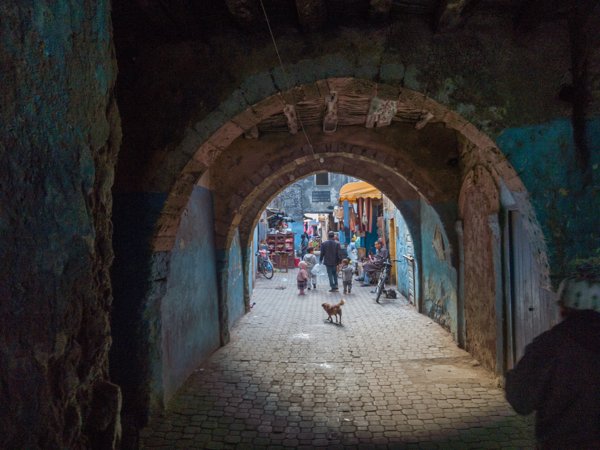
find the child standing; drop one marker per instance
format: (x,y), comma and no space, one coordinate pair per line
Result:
(302,277)
(311,261)
(347,272)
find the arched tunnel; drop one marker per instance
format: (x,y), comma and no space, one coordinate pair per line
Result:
(443,174)
(142,140)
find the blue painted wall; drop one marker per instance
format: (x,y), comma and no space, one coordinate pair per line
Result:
(235,282)
(439,277)
(544,157)
(297,228)
(402,249)
(189,309)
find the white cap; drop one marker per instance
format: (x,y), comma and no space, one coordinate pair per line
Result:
(579,294)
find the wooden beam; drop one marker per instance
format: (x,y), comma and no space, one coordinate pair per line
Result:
(312,14)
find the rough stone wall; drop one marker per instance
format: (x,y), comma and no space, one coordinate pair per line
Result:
(479,200)
(58,143)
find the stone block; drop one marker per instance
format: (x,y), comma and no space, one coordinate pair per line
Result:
(335,65)
(206,154)
(225,135)
(191,142)
(234,104)
(210,124)
(257,87)
(392,72)
(246,119)
(411,78)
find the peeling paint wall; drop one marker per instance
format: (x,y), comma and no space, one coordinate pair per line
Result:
(189,309)
(544,157)
(439,276)
(235,283)
(405,246)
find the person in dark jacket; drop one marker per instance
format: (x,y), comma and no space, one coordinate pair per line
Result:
(331,257)
(559,374)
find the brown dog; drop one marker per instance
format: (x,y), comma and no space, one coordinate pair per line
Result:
(334,310)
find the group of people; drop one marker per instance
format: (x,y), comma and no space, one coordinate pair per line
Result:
(331,256)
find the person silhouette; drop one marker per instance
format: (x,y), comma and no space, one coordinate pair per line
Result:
(558,377)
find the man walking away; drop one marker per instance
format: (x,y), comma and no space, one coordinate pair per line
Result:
(559,375)
(331,252)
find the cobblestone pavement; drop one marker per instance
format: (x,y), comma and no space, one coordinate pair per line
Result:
(387,378)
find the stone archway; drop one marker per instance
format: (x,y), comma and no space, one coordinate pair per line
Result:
(241,173)
(475,146)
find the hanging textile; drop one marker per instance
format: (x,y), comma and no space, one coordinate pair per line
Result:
(364,221)
(338,213)
(352,218)
(368,215)
(361,210)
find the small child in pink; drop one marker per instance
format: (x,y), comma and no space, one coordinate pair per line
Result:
(302,277)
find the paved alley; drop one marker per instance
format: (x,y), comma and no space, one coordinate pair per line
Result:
(387,378)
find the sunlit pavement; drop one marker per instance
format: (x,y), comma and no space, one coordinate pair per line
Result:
(387,378)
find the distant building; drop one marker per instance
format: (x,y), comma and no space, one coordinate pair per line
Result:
(317,193)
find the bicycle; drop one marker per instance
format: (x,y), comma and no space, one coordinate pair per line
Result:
(383,275)
(264,264)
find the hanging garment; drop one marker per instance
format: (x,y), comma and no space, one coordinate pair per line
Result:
(361,210)
(369,209)
(364,220)
(352,218)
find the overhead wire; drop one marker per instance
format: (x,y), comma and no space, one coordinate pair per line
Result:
(286,78)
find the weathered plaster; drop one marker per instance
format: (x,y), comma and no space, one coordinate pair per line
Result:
(439,275)
(544,156)
(402,249)
(59,139)
(189,309)
(234,297)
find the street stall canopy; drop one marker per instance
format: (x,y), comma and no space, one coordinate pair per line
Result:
(358,189)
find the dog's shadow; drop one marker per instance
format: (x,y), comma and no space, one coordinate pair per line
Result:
(333,323)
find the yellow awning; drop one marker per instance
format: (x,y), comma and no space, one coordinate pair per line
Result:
(358,189)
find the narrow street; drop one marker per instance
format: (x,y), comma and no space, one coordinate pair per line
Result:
(387,378)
